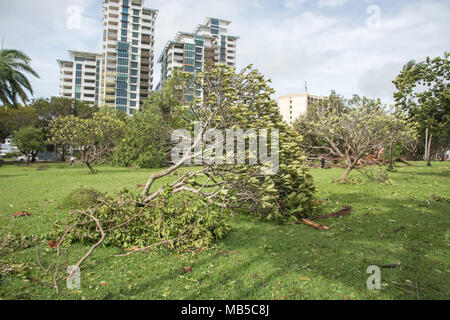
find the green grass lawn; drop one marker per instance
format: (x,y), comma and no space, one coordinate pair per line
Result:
(272,261)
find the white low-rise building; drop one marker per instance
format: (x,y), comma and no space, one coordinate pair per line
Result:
(7,147)
(293,106)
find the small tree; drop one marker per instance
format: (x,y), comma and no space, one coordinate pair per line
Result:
(147,139)
(400,131)
(96,138)
(422,92)
(29,140)
(349,132)
(50,109)
(239,101)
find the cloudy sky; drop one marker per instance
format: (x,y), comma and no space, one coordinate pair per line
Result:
(351,46)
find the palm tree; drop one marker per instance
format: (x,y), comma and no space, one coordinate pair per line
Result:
(13,82)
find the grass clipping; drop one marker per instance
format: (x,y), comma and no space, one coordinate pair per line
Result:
(182,222)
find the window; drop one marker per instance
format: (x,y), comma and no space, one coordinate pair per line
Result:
(198,65)
(214,22)
(189,54)
(78,81)
(134,65)
(133,80)
(133,88)
(188,68)
(122,78)
(122,69)
(124,33)
(136,12)
(132,104)
(122,54)
(77,95)
(124,25)
(125,10)
(134,57)
(189,46)
(122,62)
(121,93)
(135,42)
(78,74)
(135,34)
(132,95)
(199,43)
(189,61)
(123,46)
(135,27)
(121,85)
(121,101)
(134,72)
(135,20)
(79,67)
(198,50)
(135,50)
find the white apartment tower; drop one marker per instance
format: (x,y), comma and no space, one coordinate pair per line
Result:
(207,46)
(293,106)
(80,76)
(128,53)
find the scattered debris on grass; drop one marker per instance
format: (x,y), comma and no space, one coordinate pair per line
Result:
(227,253)
(21,214)
(345,211)
(392,266)
(53,244)
(317,226)
(398,229)
(187,270)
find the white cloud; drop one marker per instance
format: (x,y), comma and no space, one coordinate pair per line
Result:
(331,3)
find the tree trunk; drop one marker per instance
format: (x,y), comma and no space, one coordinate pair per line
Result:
(90,167)
(27,162)
(429,150)
(391,160)
(350,166)
(33,156)
(63,153)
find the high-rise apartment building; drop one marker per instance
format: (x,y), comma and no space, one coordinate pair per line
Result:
(128,52)
(293,106)
(124,72)
(207,46)
(80,76)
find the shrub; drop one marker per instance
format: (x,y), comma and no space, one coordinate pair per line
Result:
(188,219)
(81,198)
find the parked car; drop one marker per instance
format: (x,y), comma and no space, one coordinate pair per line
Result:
(24,158)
